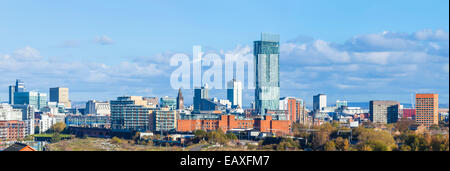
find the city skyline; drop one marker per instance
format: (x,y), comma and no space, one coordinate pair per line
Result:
(384,60)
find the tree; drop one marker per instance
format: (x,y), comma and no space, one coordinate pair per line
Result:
(58,127)
(403,124)
(330,146)
(342,144)
(377,140)
(405,148)
(319,139)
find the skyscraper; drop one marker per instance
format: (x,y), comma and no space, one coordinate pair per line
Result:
(427,109)
(180,100)
(199,94)
(267,54)
(20,86)
(60,95)
(234,92)
(11,89)
(319,102)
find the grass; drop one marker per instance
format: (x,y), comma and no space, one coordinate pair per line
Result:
(103,144)
(50,135)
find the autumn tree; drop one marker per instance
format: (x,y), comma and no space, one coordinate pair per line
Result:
(330,146)
(58,127)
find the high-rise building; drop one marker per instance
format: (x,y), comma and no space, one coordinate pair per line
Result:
(427,106)
(60,95)
(199,94)
(11,89)
(130,113)
(296,109)
(267,54)
(36,99)
(98,108)
(384,111)
(180,100)
(302,115)
(20,86)
(234,93)
(319,102)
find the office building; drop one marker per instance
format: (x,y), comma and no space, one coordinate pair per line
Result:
(130,113)
(97,108)
(319,102)
(199,94)
(180,100)
(35,99)
(169,102)
(20,86)
(427,106)
(11,90)
(267,90)
(60,95)
(384,112)
(234,93)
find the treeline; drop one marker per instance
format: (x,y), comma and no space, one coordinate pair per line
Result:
(395,137)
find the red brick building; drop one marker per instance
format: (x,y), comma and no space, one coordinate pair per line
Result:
(12,130)
(228,122)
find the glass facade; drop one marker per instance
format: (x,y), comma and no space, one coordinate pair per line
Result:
(35,99)
(267,53)
(169,102)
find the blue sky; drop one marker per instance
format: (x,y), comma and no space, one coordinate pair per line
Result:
(351,50)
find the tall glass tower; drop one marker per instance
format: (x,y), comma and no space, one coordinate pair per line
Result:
(267,54)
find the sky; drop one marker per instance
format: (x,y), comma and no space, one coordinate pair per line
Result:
(350,50)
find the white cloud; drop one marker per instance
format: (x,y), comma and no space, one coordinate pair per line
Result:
(27,53)
(103,40)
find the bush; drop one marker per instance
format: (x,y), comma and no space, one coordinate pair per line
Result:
(116,140)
